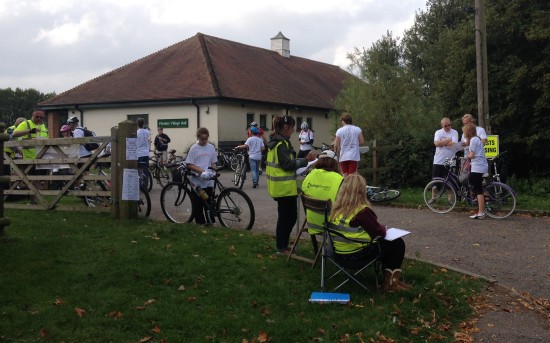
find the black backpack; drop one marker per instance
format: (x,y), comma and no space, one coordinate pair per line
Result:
(89,133)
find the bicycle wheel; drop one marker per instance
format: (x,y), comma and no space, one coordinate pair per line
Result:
(163,177)
(235,209)
(96,200)
(176,204)
(144,204)
(500,201)
(234,162)
(380,194)
(439,196)
(243,175)
(239,171)
(145,179)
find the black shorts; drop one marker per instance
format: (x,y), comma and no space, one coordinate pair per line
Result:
(439,170)
(476,181)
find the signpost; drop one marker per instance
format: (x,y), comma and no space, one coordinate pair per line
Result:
(491,147)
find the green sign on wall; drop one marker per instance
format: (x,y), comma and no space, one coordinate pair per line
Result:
(173,123)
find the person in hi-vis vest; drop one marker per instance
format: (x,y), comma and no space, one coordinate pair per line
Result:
(281,178)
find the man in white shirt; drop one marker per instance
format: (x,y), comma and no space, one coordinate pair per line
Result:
(444,141)
(348,139)
(78,132)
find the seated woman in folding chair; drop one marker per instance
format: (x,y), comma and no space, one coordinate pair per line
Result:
(322,183)
(352,216)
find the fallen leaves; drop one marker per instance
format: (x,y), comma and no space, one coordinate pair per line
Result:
(79,312)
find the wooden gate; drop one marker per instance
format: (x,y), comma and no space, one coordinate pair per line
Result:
(79,180)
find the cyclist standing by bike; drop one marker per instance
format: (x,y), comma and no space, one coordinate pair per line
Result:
(143,147)
(161,145)
(255,145)
(444,139)
(306,140)
(201,156)
(479,166)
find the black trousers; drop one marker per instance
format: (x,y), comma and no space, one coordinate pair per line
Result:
(287,210)
(198,206)
(393,253)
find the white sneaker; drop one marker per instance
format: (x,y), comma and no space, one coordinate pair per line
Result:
(478,216)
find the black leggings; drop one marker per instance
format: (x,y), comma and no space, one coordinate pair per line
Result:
(393,253)
(287,209)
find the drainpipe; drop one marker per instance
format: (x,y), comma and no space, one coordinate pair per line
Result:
(81,115)
(198,113)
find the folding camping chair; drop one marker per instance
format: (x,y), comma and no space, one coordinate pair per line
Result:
(351,269)
(318,206)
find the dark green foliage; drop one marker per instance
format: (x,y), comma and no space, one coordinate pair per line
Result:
(408,85)
(19,103)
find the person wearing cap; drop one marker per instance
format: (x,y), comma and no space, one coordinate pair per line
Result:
(78,132)
(306,140)
(281,178)
(322,183)
(255,145)
(31,129)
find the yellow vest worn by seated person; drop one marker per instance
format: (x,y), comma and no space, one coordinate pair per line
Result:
(322,185)
(341,224)
(280,183)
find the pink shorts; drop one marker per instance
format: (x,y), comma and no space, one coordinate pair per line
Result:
(349,167)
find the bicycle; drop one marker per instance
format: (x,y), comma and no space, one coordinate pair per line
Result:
(382,194)
(145,178)
(240,170)
(224,159)
(440,194)
(158,171)
(230,205)
(144,202)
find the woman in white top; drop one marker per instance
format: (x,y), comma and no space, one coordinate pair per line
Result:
(479,167)
(306,140)
(348,139)
(201,156)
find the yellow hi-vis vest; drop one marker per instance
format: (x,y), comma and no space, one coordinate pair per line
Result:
(323,185)
(341,224)
(280,183)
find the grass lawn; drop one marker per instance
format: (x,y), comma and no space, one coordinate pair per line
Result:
(82,277)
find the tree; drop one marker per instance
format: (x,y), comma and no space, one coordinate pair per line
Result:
(19,103)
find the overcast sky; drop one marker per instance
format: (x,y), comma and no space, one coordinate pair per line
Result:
(55,45)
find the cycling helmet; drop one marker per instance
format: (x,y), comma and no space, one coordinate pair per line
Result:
(304,126)
(72,120)
(254,130)
(254,124)
(65,128)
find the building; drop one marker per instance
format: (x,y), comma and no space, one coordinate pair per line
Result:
(206,81)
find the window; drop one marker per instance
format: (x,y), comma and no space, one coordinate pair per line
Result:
(249,119)
(263,121)
(299,121)
(134,118)
(309,123)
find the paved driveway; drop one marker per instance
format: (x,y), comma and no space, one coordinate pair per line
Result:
(514,251)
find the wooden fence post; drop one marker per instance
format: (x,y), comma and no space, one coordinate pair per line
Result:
(126,129)
(4,179)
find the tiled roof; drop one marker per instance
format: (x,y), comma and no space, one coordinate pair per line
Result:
(209,67)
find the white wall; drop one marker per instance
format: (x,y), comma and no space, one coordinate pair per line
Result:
(226,122)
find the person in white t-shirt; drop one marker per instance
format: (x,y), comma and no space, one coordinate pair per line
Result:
(348,139)
(444,141)
(480,132)
(200,158)
(255,145)
(306,140)
(143,142)
(479,166)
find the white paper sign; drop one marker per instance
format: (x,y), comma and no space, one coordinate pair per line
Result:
(130,184)
(131,149)
(394,233)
